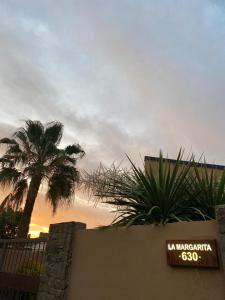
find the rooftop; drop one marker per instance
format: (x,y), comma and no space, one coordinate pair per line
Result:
(173,161)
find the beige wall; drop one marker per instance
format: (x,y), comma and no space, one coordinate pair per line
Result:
(155,167)
(130,264)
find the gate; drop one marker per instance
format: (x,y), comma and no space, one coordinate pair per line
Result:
(21,263)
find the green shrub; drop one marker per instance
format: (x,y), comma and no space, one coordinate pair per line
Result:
(9,222)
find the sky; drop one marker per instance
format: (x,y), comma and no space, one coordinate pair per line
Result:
(123,76)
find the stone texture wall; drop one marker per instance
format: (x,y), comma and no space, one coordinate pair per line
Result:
(54,281)
(220,216)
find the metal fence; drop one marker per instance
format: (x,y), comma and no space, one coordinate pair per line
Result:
(12,294)
(21,263)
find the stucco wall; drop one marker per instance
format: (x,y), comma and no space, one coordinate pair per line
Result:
(218,170)
(130,264)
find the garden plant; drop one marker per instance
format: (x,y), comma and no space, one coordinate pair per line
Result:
(182,191)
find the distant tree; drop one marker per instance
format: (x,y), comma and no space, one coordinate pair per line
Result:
(32,158)
(9,222)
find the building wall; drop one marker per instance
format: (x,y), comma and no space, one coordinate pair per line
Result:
(130,264)
(154,163)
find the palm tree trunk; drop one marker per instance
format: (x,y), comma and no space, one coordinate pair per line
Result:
(23,228)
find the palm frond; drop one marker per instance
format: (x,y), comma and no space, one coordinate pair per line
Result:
(21,136)
(8,141)
(6,161)
(19,191)
(9,176)
(53,132)
(34,131)
(6,202)
(61,186)
(75,149)
(14,199)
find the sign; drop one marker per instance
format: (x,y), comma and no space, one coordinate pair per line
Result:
(192,253)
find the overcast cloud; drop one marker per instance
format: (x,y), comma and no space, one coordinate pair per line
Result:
(124,76)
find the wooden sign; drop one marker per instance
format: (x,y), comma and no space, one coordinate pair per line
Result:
(192,253)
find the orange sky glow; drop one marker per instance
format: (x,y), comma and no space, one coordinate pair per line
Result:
(80,211)
(84,212)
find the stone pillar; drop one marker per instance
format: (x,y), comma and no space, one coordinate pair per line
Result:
(220,217)
(55,278)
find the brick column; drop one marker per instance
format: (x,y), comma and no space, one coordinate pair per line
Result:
(220,217)
(54,281)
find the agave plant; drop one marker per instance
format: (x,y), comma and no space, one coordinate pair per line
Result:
(156,195)
(207,189)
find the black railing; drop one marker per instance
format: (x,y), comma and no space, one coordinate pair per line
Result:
(12,294)
(22,256)
(21,264)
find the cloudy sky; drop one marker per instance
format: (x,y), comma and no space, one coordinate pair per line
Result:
(124,76)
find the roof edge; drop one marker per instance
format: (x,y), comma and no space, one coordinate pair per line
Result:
(170,160)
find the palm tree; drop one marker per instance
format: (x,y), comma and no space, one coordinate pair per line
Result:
(33,157)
